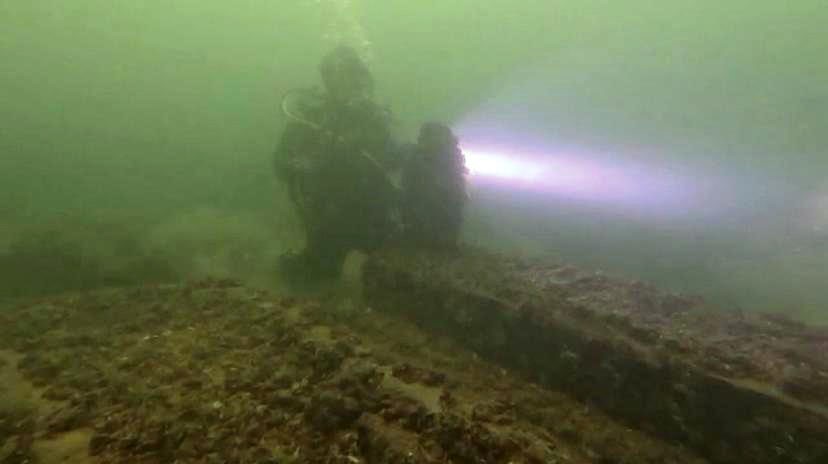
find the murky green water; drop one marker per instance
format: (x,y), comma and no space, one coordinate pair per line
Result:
(678,142)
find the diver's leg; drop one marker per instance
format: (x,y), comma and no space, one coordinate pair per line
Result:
(325,256)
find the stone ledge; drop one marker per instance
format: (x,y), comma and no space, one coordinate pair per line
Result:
(736,387)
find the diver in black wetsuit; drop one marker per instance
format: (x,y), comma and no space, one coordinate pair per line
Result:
(434,189)
(333,155)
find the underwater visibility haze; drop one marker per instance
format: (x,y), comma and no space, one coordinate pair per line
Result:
(654,155)
(679,142)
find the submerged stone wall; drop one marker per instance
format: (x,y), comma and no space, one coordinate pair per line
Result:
(735,387)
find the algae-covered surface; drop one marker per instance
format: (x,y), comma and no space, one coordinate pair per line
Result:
(214,372)
(785,355)
(734,386)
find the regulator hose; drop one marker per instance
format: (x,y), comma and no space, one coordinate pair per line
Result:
(295,117)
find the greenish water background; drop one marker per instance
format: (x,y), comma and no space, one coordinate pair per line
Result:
(161,117)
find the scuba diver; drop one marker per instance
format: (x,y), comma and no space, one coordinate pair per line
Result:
(434,189)
(334,155)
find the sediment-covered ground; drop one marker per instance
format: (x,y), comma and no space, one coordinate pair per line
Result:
(735,386)
(214,372)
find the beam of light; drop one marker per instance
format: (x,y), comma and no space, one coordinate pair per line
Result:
(483,163)
(517,168)
(579,177)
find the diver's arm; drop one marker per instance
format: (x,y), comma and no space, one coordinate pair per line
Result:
(288,160)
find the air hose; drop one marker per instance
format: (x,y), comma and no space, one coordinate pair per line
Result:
(291,115)
(286,110)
